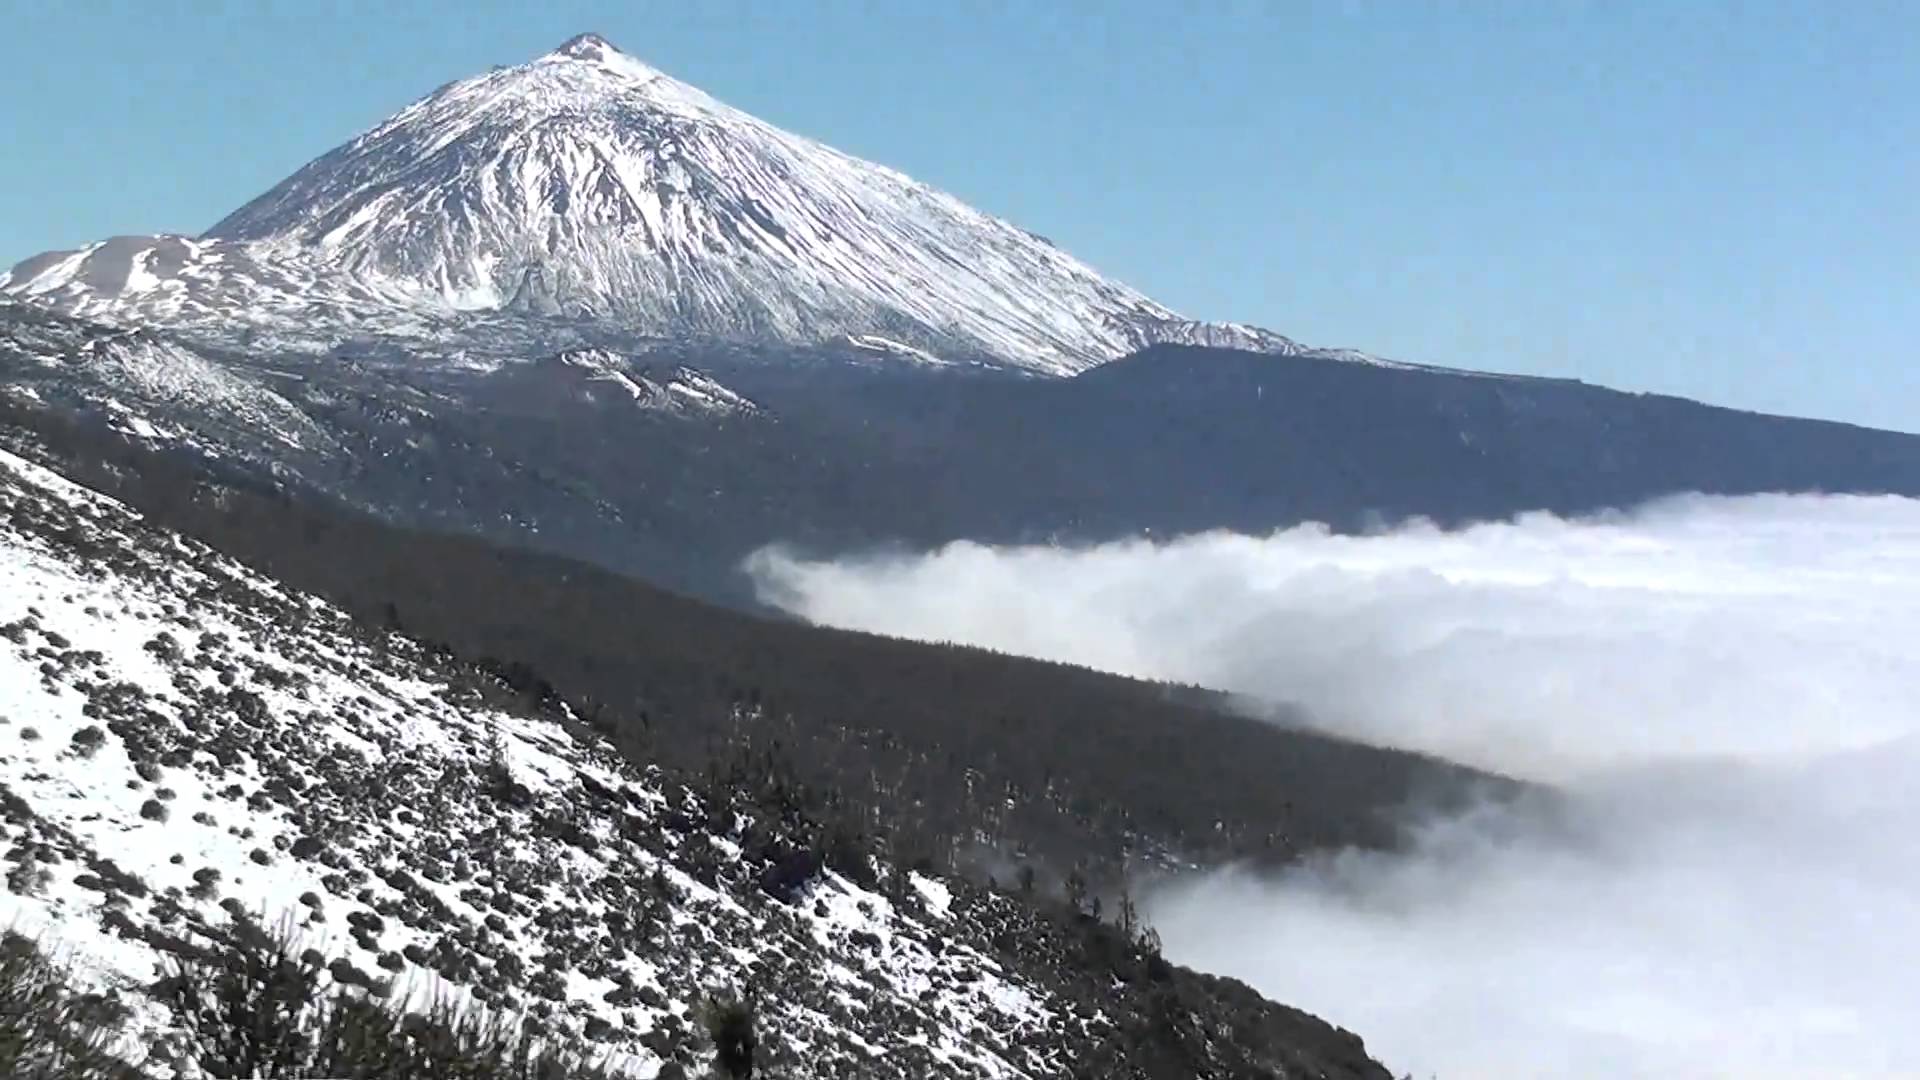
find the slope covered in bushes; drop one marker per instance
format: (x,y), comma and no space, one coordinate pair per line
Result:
(197,755)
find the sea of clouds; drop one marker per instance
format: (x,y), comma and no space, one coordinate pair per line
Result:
(1727,690)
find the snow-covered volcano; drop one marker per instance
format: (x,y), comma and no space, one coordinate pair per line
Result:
(586,188)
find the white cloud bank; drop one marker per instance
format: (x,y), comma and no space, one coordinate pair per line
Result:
(1728,688)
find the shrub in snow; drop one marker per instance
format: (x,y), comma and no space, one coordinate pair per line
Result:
(47,1032)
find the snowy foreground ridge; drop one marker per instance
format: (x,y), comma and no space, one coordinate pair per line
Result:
(584,189)
(182,736)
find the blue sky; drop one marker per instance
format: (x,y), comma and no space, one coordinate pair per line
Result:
(1716,200)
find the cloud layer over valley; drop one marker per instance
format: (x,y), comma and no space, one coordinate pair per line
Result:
(1726,689)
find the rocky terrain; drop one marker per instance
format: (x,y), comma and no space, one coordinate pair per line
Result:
(190,744)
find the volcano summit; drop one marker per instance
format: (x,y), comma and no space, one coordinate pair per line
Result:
(586,190)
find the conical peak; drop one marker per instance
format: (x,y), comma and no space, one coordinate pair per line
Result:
(587,46)
(585,185)
(599,53)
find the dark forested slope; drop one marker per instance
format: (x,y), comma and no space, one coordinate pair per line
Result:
(1179,438)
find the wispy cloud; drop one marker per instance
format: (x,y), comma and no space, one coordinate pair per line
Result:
(1727,689)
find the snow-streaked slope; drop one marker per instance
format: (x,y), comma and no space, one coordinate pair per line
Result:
(679,390)
(240,294)
(154,386)
(585,187)
(183,736)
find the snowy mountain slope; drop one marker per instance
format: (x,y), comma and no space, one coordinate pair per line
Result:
(300,417)
(225,293)
(153,386)
(585,187)
(223,742)
(187,742)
